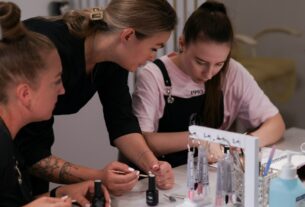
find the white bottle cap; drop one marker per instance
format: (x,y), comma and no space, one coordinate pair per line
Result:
(289,171)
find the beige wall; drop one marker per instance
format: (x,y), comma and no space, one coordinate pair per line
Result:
(251,16)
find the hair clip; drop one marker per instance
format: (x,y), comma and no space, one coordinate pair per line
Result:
(97,14)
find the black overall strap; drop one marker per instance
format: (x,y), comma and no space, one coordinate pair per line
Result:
(162,67)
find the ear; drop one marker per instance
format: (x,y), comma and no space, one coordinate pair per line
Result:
(126,34)
(181,44)
(24,94)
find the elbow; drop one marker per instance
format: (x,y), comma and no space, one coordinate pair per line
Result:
(281,125)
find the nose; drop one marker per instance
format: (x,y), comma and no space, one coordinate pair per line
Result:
(152,56)
(61,90)
(209,73)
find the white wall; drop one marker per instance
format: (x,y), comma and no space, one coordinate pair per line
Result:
(30,8)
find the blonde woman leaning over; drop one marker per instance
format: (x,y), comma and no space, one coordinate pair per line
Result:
(98,48)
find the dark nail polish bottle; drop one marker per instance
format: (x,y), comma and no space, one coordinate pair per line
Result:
(98,199)
(152,194)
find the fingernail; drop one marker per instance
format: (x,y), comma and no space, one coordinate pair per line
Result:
(138,172)
(150,173)
(87,205)
(155,167)
(64,197)
(130,169)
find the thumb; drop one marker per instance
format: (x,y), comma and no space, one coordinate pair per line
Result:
(155,167)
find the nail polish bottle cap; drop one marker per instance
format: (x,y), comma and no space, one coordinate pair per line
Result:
(151,181)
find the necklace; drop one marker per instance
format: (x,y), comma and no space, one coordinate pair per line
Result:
(19,175)
(25,190)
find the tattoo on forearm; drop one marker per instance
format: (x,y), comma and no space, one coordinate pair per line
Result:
(46,168)
(65,174)
(51,169)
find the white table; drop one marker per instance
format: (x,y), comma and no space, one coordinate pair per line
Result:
(136,198)
(292,140)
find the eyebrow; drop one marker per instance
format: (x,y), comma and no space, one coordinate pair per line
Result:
(161,45)
(202,60)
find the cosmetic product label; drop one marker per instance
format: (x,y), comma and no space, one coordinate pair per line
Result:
(300,201)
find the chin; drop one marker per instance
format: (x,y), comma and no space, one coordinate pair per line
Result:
(48,115)
(199,81)
(133,68)
(129,68)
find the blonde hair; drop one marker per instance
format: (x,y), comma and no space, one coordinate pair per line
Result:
(21,51)
(146,17)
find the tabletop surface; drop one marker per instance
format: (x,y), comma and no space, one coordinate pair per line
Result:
(292,140)
(137,196)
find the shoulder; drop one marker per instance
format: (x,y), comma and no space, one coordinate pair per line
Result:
(150,68)
(56,30)
(237,74)
(6,150)
(235,68)
(45,26)
(150,72)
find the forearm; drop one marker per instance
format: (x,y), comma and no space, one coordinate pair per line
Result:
(134,147)
(165,143)
(55,169)
(47,194)
(270,131)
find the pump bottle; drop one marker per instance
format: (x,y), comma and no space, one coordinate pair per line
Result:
(287,190)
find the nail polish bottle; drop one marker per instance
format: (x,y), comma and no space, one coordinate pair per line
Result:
(98,199)
(152,194)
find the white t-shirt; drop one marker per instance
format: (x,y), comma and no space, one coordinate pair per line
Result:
(243,98)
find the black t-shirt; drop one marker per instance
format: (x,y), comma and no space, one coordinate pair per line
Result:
(108,79)
(11,194)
